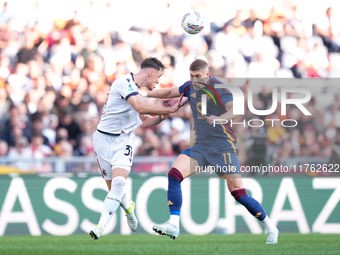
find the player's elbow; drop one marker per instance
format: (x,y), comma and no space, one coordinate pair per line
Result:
(146,122)
(140,107)
(142,110)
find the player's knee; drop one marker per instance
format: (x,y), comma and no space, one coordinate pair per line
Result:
(238,193)
(175,173)
(118,182)
(234,182)
(117,189)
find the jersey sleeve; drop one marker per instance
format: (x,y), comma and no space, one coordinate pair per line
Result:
(224,93)
(184,88)
(127,89)
(226,96)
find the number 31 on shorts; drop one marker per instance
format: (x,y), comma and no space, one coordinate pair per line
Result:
(128,151)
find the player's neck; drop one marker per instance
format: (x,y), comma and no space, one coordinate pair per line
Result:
(139,78)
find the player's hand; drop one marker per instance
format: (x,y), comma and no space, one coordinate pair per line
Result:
(165,116)
(177,105)
(211,119)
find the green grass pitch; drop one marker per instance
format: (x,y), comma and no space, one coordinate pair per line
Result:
(162,245)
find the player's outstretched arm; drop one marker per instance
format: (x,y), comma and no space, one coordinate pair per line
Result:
(143,107)
(225,116)
(149,121)
(162,93)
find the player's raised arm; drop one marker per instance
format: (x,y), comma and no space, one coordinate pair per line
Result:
(143,107)
(162,93)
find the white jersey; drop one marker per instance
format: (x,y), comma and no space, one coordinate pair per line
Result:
(118,115)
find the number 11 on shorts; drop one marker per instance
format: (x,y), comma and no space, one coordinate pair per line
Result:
(225,158)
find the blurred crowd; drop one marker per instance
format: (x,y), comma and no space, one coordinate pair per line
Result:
(55,74)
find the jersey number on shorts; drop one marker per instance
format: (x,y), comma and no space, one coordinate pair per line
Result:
(128,151)
(225,158)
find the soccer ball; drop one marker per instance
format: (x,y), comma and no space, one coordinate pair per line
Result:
(192,23)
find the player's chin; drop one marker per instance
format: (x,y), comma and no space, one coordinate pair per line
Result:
(152,87)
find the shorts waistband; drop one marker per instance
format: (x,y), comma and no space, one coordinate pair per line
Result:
(106,133)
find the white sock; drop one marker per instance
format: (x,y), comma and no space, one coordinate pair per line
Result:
(174,219)
(125,203)
(112,200)
(268,224)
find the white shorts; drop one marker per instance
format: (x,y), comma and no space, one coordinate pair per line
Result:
(113,152)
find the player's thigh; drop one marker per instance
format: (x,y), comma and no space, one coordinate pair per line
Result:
(224,163)
(232,165)
(122,159)
(190,161)
(114,155)
(102,145)
(104,166)
(185,165)
(124,152)
(120,171)
(108,183)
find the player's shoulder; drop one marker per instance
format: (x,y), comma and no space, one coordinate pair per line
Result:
(214,80)
(220,91)
(124,82)
(124,79)
(185,87)
(186,84)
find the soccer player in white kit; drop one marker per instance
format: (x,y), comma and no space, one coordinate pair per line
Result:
(113,141)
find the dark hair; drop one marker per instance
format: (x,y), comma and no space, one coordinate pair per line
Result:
(152,63)
(37,134)
(198,65)
(36,117)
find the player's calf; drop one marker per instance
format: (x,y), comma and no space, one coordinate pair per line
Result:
(174,194)
(256,209)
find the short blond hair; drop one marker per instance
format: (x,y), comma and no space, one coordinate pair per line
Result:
(198,65)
